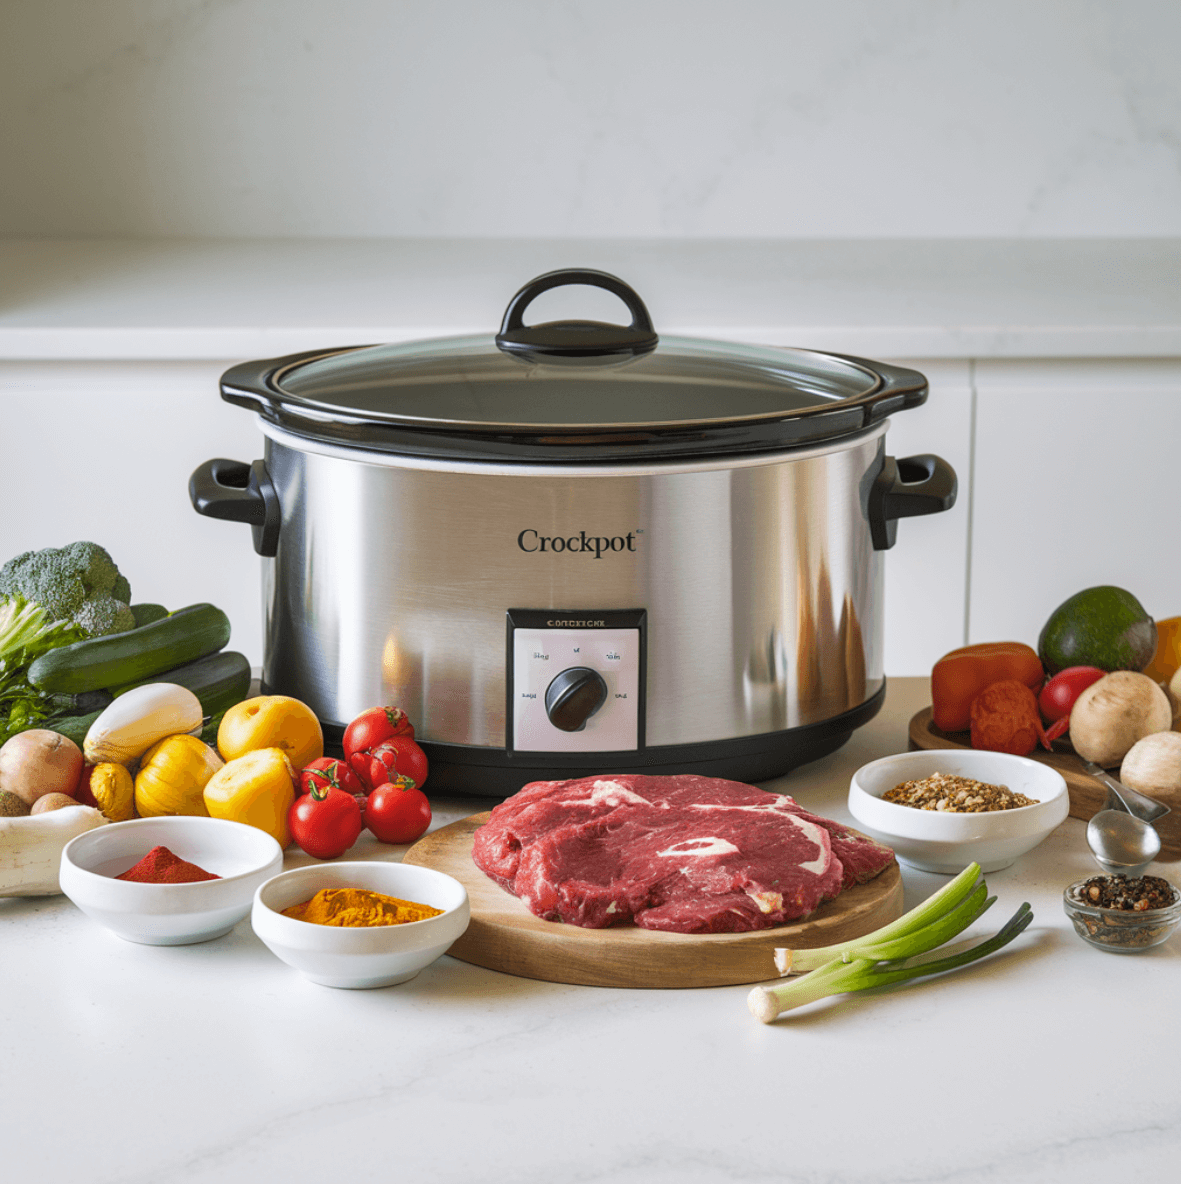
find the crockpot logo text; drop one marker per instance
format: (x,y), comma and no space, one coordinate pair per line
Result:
(584,544)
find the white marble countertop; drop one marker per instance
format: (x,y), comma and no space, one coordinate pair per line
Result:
(215,1062)
(87,299)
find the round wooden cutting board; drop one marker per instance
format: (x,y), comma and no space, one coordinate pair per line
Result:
(504,935)
(1086,794)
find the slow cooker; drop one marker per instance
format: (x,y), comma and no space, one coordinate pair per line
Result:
(578,548)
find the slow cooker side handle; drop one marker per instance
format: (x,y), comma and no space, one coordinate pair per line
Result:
(906,488)
(239,492)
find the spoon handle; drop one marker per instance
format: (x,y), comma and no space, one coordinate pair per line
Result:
(1137,804)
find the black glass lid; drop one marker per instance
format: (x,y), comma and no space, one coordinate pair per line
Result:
(567,390)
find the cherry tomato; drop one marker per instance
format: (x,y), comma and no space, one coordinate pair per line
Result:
(397,756)
(325,821)
(371,727)
(329,772)
(1058,695)
(396,812)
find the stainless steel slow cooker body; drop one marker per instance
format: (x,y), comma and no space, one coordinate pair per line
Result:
(632,592)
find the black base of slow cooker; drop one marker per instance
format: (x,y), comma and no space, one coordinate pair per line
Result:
(493,772)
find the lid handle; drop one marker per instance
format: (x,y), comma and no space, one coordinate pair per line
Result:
(576,339)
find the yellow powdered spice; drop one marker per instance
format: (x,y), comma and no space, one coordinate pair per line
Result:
(358,906)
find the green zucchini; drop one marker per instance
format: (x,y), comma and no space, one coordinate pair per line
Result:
(218,680)
(145,614)
(81,704)
(135,656)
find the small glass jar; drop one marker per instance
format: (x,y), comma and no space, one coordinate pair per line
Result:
(1120,931)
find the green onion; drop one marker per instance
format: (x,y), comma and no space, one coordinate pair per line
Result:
(929,937)
(934,907)
(839,977)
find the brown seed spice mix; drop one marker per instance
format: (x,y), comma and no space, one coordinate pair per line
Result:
(1137,895)
(956,795)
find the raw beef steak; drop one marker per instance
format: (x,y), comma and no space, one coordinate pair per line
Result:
(685,853)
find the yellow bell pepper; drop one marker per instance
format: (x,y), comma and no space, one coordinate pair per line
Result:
(1167,659)
(173,775)
(256,789)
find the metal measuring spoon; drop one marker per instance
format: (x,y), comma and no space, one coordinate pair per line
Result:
(1121,835)
(1137,804)
(1122,843)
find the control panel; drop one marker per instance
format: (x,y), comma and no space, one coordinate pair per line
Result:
(576,680)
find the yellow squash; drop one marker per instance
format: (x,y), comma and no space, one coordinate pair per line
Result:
(111,787)
(173,775)
(135,721)
(256,789)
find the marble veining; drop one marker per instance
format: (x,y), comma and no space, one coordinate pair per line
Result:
(671,118)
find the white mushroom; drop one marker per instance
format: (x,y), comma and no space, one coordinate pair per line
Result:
(1113,713)
(1153,764)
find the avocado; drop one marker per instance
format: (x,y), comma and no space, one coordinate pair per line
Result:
(1104,627)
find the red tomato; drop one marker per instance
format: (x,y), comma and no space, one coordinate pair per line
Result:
(1058,695)
(397,812)
(327,772)
(81,792)
(325,822)
(399,756)
(371,727)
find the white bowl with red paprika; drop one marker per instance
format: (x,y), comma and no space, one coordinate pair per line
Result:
(168,881)
(952,807)
(354,946)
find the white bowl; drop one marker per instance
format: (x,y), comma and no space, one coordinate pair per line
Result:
(169,914)
(365,956)
(940,841)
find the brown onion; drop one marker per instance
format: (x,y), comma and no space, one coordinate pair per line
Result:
(38,762)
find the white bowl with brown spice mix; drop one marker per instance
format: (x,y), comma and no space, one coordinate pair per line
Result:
(941,810)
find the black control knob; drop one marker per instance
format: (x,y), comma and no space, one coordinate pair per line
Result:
(573,697)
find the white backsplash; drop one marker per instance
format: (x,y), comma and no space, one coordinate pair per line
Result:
(614,117)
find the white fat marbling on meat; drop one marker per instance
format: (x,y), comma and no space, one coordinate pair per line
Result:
(815,833)
(611,793)
(818,835)
(768,902)
(708,845)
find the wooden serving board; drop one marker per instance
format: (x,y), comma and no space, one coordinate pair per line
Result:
(1086,794)
(504,935)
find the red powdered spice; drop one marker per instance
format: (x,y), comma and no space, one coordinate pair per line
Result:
(1005,719)
(160,866)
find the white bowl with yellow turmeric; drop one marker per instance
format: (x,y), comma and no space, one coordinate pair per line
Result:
(360,924)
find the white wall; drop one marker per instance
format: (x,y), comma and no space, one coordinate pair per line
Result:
(678,119)
(850,118)
(103,451)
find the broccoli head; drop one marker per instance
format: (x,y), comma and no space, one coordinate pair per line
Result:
(103,615)
(78,583)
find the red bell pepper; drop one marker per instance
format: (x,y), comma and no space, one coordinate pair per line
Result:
(957,678)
